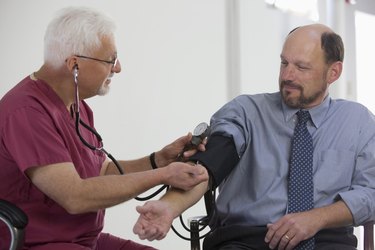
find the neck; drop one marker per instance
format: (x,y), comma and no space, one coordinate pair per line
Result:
(60,81)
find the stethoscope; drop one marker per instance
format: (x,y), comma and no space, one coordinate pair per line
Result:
(202,129)
(79,122)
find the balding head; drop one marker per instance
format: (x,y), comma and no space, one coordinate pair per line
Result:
(330,42)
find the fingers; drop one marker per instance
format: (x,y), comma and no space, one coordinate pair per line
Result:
(138,229)
(274,235)
(280,236)
(148,233)
(198,170)
(187,154)
(198,174)
(151,234)
(190,149)
(289,231)
(284,242)
(151,224)
(185,176)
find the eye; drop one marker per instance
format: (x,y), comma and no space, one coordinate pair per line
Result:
(302,67)
(284,63)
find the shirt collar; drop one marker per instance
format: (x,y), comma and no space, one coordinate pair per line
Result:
(317,113)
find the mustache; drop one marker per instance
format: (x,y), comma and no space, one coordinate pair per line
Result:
(291,84)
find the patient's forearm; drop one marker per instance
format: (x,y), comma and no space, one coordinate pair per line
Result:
(180,200)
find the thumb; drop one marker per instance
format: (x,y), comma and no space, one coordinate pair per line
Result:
(188,137)
(141,209)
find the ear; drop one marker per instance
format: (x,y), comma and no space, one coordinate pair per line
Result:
(72,63)
(334,71)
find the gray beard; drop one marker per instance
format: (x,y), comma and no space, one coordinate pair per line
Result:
(104,89)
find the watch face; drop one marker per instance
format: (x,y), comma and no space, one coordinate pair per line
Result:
(200,129)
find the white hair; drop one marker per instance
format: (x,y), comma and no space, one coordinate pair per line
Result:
(75,31)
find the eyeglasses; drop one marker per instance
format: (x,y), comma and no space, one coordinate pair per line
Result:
(113,62)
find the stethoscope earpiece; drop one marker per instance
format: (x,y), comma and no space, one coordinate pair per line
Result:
(75,70)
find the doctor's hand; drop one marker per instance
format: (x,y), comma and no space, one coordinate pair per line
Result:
(154,221)
(183,175)
(171,152)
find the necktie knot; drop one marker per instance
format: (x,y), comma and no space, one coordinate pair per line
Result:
(303,116)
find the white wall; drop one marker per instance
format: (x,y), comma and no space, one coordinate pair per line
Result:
(175,69)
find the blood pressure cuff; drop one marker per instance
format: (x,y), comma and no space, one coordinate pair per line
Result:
(219,158)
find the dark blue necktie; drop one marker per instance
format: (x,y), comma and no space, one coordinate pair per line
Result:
(301,187)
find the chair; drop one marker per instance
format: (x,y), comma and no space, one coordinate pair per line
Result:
(198,223)
(195,224)
(16,220)
(368,233)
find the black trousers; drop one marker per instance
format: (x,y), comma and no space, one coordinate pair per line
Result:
(240,237)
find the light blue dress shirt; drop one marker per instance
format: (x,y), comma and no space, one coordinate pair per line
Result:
(255,193)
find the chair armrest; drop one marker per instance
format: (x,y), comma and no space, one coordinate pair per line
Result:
(16,220)
(10,212)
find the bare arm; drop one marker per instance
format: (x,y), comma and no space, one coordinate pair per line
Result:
(156,217)
(62,183)
(180,200)
(132,166)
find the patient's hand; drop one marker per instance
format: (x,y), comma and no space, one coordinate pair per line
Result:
(154,221)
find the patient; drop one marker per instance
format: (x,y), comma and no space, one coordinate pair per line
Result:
(249,155)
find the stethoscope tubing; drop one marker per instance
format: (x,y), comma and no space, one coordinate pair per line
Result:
(79,122)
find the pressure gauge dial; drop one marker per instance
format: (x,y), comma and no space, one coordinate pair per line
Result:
(200,133)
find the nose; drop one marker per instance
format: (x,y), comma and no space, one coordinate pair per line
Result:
(117,67)
(287,72)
